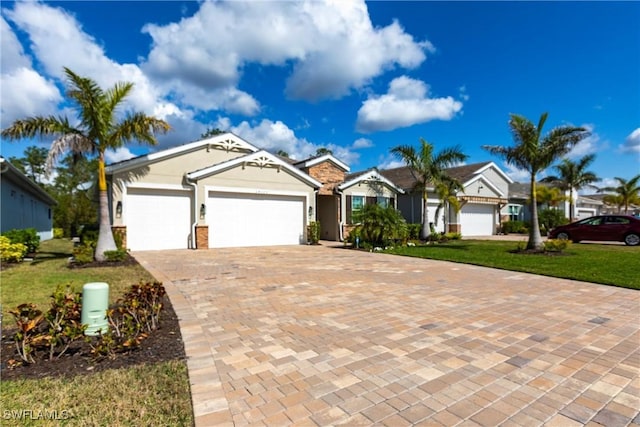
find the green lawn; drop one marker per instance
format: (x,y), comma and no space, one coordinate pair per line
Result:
(607,264)
(154,394)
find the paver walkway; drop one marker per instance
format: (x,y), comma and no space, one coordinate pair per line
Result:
(313,335)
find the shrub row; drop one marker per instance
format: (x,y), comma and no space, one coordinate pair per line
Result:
(11,252)
(16,244)
(49,335)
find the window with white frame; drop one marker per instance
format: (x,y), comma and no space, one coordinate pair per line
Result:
(357,203)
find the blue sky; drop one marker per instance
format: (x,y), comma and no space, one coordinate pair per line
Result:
(358,78)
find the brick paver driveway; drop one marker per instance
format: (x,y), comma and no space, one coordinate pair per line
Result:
(313,335)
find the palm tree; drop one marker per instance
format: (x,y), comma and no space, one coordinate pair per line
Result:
(448,198)
(428,170)
(549,196)
(627,192)
(535,152)
(573,175)
(96,131)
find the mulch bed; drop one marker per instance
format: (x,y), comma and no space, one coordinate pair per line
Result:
(163,344)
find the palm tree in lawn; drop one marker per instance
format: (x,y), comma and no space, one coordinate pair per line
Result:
(97,130)
(534,152)
(627,192)
(573,175)
(447,193)
(428,170)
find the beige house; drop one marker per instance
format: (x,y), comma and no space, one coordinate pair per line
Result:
(218,192)
(225,192)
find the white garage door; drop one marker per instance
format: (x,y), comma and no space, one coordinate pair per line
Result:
(476,219)
(158,219)
(237,219)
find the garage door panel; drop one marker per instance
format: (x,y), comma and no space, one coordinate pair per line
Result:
(477,219)
(158,219)
(237,220)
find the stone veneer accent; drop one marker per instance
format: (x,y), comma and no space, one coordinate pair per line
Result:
(453,228)
(346,230)
(328,174)
(202,237)
(121,231)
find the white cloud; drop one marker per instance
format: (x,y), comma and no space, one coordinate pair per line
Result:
(390,162)
(26,93)
(589,145)
(118,155)
(362,143)
(631,143)
(406,103)
(273,136)
(57,40)
(331,44)
(13,56)
(517,175)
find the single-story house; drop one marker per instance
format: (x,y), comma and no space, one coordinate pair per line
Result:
(24,203)
(223,191)
(217,192)
(484,194)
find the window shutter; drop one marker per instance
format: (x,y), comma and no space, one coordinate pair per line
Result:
(392,202)
(371,200)
(348,206)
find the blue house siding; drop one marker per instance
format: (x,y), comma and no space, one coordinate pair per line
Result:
(23,203)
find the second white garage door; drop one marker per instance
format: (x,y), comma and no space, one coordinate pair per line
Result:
(157,219)
(477,219)
(239,219)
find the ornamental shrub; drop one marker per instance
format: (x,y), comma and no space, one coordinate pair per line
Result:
(556,245)
(11,252)
(27,236)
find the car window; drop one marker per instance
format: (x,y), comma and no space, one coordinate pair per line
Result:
(616,220)
(591,221)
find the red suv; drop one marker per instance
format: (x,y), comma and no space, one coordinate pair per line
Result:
(618,228)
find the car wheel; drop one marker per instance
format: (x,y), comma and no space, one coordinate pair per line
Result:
(562,236)
(632,239)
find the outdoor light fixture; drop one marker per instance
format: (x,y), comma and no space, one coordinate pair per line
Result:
(119,209)
(310,211)
(203,211)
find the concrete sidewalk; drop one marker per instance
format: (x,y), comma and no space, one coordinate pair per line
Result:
(317,335)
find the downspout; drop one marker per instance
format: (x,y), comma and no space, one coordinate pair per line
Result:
(195,211)
(340,223)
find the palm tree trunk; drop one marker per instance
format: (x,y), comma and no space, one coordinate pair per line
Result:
(571,204)
(105,236)
(425,232)
(535,239)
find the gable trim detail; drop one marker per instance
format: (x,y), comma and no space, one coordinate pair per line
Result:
(226,141)
(261,159)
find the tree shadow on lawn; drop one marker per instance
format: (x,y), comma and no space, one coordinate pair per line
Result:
(49,256)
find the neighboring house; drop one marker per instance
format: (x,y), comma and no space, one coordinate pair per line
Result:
(484,195)
(595,202)
(330,172)
(24,203)
(584,206)
(365,188)
(218,192)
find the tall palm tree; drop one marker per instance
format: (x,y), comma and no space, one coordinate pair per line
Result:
(573,176)
(446,192)
(428,170)
(534,152)
(97,130)
(549,196)
(627,192)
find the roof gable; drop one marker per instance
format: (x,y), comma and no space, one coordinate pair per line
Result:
(262,159)
(307,163)
(368,175)
(226,141)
